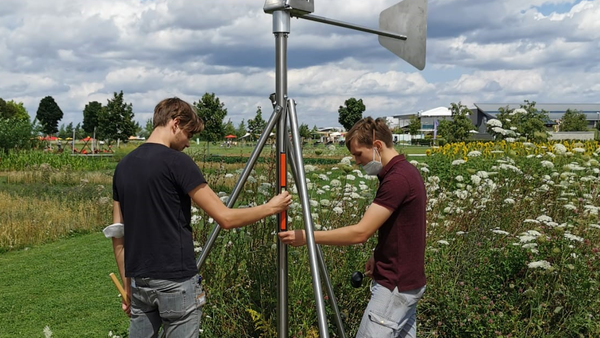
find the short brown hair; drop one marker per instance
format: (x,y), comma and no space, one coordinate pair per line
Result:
(362,132)
(176,108)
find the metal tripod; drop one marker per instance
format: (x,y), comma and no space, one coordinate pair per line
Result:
(412,14)
(288,152)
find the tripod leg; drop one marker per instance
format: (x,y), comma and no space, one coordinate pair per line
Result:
(332,299)
(322,266)
(240,183)
(310,240)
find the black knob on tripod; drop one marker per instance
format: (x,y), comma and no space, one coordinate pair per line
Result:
(356,279)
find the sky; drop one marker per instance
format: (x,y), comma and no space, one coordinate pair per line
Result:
(504,51)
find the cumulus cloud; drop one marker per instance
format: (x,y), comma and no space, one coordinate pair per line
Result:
(498,50)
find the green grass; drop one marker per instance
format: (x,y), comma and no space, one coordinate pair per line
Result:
(63,285)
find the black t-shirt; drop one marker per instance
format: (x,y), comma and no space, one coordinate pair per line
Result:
(151,185)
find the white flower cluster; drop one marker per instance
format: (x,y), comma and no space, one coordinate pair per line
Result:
(505,166)
(195,219)
(528,236)
(509,201)
(346,160)
(572,237)
(543,264)
(483,174)
(494,123)
(559,149)
(309,168)
(573,166)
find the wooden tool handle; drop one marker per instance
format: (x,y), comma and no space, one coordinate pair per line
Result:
(120,288)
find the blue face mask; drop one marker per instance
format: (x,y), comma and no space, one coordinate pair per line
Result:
(374,167)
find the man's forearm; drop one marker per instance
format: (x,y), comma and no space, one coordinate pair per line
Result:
(348,235)
(236,218)
(119,252)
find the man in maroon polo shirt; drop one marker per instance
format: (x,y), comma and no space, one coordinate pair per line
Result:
(398,212)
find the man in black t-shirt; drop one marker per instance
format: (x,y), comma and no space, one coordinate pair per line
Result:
(398,215)
(153,187)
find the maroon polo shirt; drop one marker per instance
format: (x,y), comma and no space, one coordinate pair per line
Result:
(400,251)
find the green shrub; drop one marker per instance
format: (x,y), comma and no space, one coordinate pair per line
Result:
(15,134)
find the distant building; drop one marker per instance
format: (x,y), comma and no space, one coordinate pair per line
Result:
(428,118)
(329,135)
(393,122)
(331,129)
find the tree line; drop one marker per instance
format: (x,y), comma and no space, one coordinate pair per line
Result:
(115,121)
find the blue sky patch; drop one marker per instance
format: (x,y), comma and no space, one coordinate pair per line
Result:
(549,8)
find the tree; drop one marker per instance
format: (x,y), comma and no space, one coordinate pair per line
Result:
(228,128)
(459,129)
(351,112)
(147,130)
(212,112)
(115,121)
(573,120)
(257,124)
(414,125)
(525,122)
(49,114)
(69,130)
(61,131)
(13,110)
(79,132)
(314,132)
(36,128)
(241,130)
(137,128)
(444,130)
(65,131)
(15,134)
(90,116)
(304,131)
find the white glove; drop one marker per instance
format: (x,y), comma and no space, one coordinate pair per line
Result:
(116,230)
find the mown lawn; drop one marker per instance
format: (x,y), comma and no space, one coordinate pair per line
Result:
(63,285)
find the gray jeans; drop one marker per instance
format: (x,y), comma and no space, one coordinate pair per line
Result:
(174,304)
(390,314)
